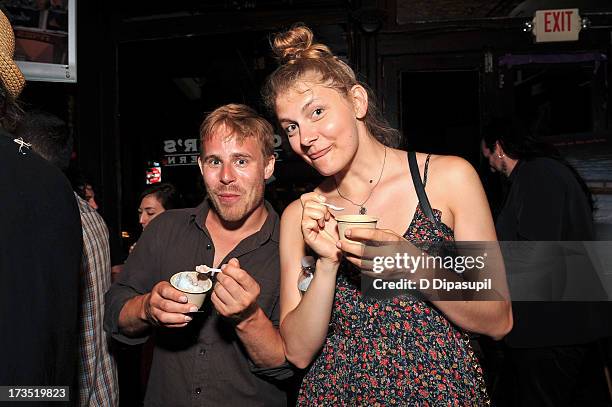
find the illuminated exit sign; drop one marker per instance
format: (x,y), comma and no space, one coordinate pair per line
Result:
(557,25)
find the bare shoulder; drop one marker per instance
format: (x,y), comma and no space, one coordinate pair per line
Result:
(292,213)
(451,169)
(455,183)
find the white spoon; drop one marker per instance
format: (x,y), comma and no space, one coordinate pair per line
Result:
(206,271)
(334,207)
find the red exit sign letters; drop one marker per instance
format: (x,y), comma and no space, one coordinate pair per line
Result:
(557,25)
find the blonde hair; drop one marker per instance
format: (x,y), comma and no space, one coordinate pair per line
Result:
(241,121)
(299,56)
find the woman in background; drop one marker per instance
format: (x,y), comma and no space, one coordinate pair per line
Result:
(155,200)
(135,361)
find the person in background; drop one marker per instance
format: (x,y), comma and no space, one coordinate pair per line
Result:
(49,137)
(84,188)
(40,236)
(234,355)
(156,199)
(90,196)
(361,350)
(135,360)
(548,355)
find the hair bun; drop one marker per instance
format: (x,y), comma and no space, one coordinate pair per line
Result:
(296,43)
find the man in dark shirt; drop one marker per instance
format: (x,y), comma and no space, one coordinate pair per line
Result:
(229,352)
(548,348)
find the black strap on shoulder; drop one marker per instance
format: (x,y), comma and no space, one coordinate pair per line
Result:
(420,189)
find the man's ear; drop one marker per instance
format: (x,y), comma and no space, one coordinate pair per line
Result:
(201,165)
(359,97)
(269,167)
(499,151)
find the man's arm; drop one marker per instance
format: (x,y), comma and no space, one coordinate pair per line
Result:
(137,300)
(132,319)
(235,297)
(262,340)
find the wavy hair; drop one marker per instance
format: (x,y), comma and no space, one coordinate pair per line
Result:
(299,57)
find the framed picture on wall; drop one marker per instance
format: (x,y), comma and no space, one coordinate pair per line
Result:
(45,38)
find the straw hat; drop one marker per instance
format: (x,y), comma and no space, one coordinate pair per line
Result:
(10,75)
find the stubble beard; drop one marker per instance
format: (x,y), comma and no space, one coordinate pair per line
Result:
(243,208)
(504,168)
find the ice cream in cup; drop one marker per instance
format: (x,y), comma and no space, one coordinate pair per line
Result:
(353,222)
(194,288)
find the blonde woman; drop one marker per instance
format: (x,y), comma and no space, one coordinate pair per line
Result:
(363,350)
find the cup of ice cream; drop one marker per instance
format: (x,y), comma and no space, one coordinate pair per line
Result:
(352,222)
(194,288)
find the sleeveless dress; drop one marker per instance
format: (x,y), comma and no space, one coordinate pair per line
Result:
(399,351)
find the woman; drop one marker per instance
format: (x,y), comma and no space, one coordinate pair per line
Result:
(365,350)
(135,361)
(155,200)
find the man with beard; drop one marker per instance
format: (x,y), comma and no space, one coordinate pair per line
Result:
(229,351)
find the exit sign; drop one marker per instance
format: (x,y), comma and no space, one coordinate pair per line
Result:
(557,25)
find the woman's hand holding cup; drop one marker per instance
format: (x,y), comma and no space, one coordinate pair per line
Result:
(362,244)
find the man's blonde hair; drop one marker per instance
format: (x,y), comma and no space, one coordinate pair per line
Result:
(241,122)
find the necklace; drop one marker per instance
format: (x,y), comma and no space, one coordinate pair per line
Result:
(362,209)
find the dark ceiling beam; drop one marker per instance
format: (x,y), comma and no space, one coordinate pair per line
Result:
(181,26)
(503,7)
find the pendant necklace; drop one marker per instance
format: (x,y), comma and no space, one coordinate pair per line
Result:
(362,209)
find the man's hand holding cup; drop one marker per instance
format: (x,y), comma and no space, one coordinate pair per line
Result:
(166,306)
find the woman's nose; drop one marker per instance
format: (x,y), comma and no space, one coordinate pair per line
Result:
(308,135)
(143,219)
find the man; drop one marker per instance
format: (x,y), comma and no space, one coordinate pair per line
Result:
(552,342)
(230,351)
(40,236)
(97,379)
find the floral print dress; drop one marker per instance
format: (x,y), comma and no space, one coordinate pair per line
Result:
(397,351)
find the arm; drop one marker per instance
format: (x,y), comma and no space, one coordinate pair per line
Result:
(235,297)
(473,222)
(261,340)
(137,300)
(305,319)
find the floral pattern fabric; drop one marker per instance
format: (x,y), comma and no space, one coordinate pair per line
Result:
(396,351)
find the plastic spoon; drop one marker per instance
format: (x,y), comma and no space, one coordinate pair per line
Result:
(204,271)
(334,207)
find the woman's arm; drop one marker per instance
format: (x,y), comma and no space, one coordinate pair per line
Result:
(464,197)
(304,319)
(473,222)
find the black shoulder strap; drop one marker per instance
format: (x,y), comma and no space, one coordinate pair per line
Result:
(420,189)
